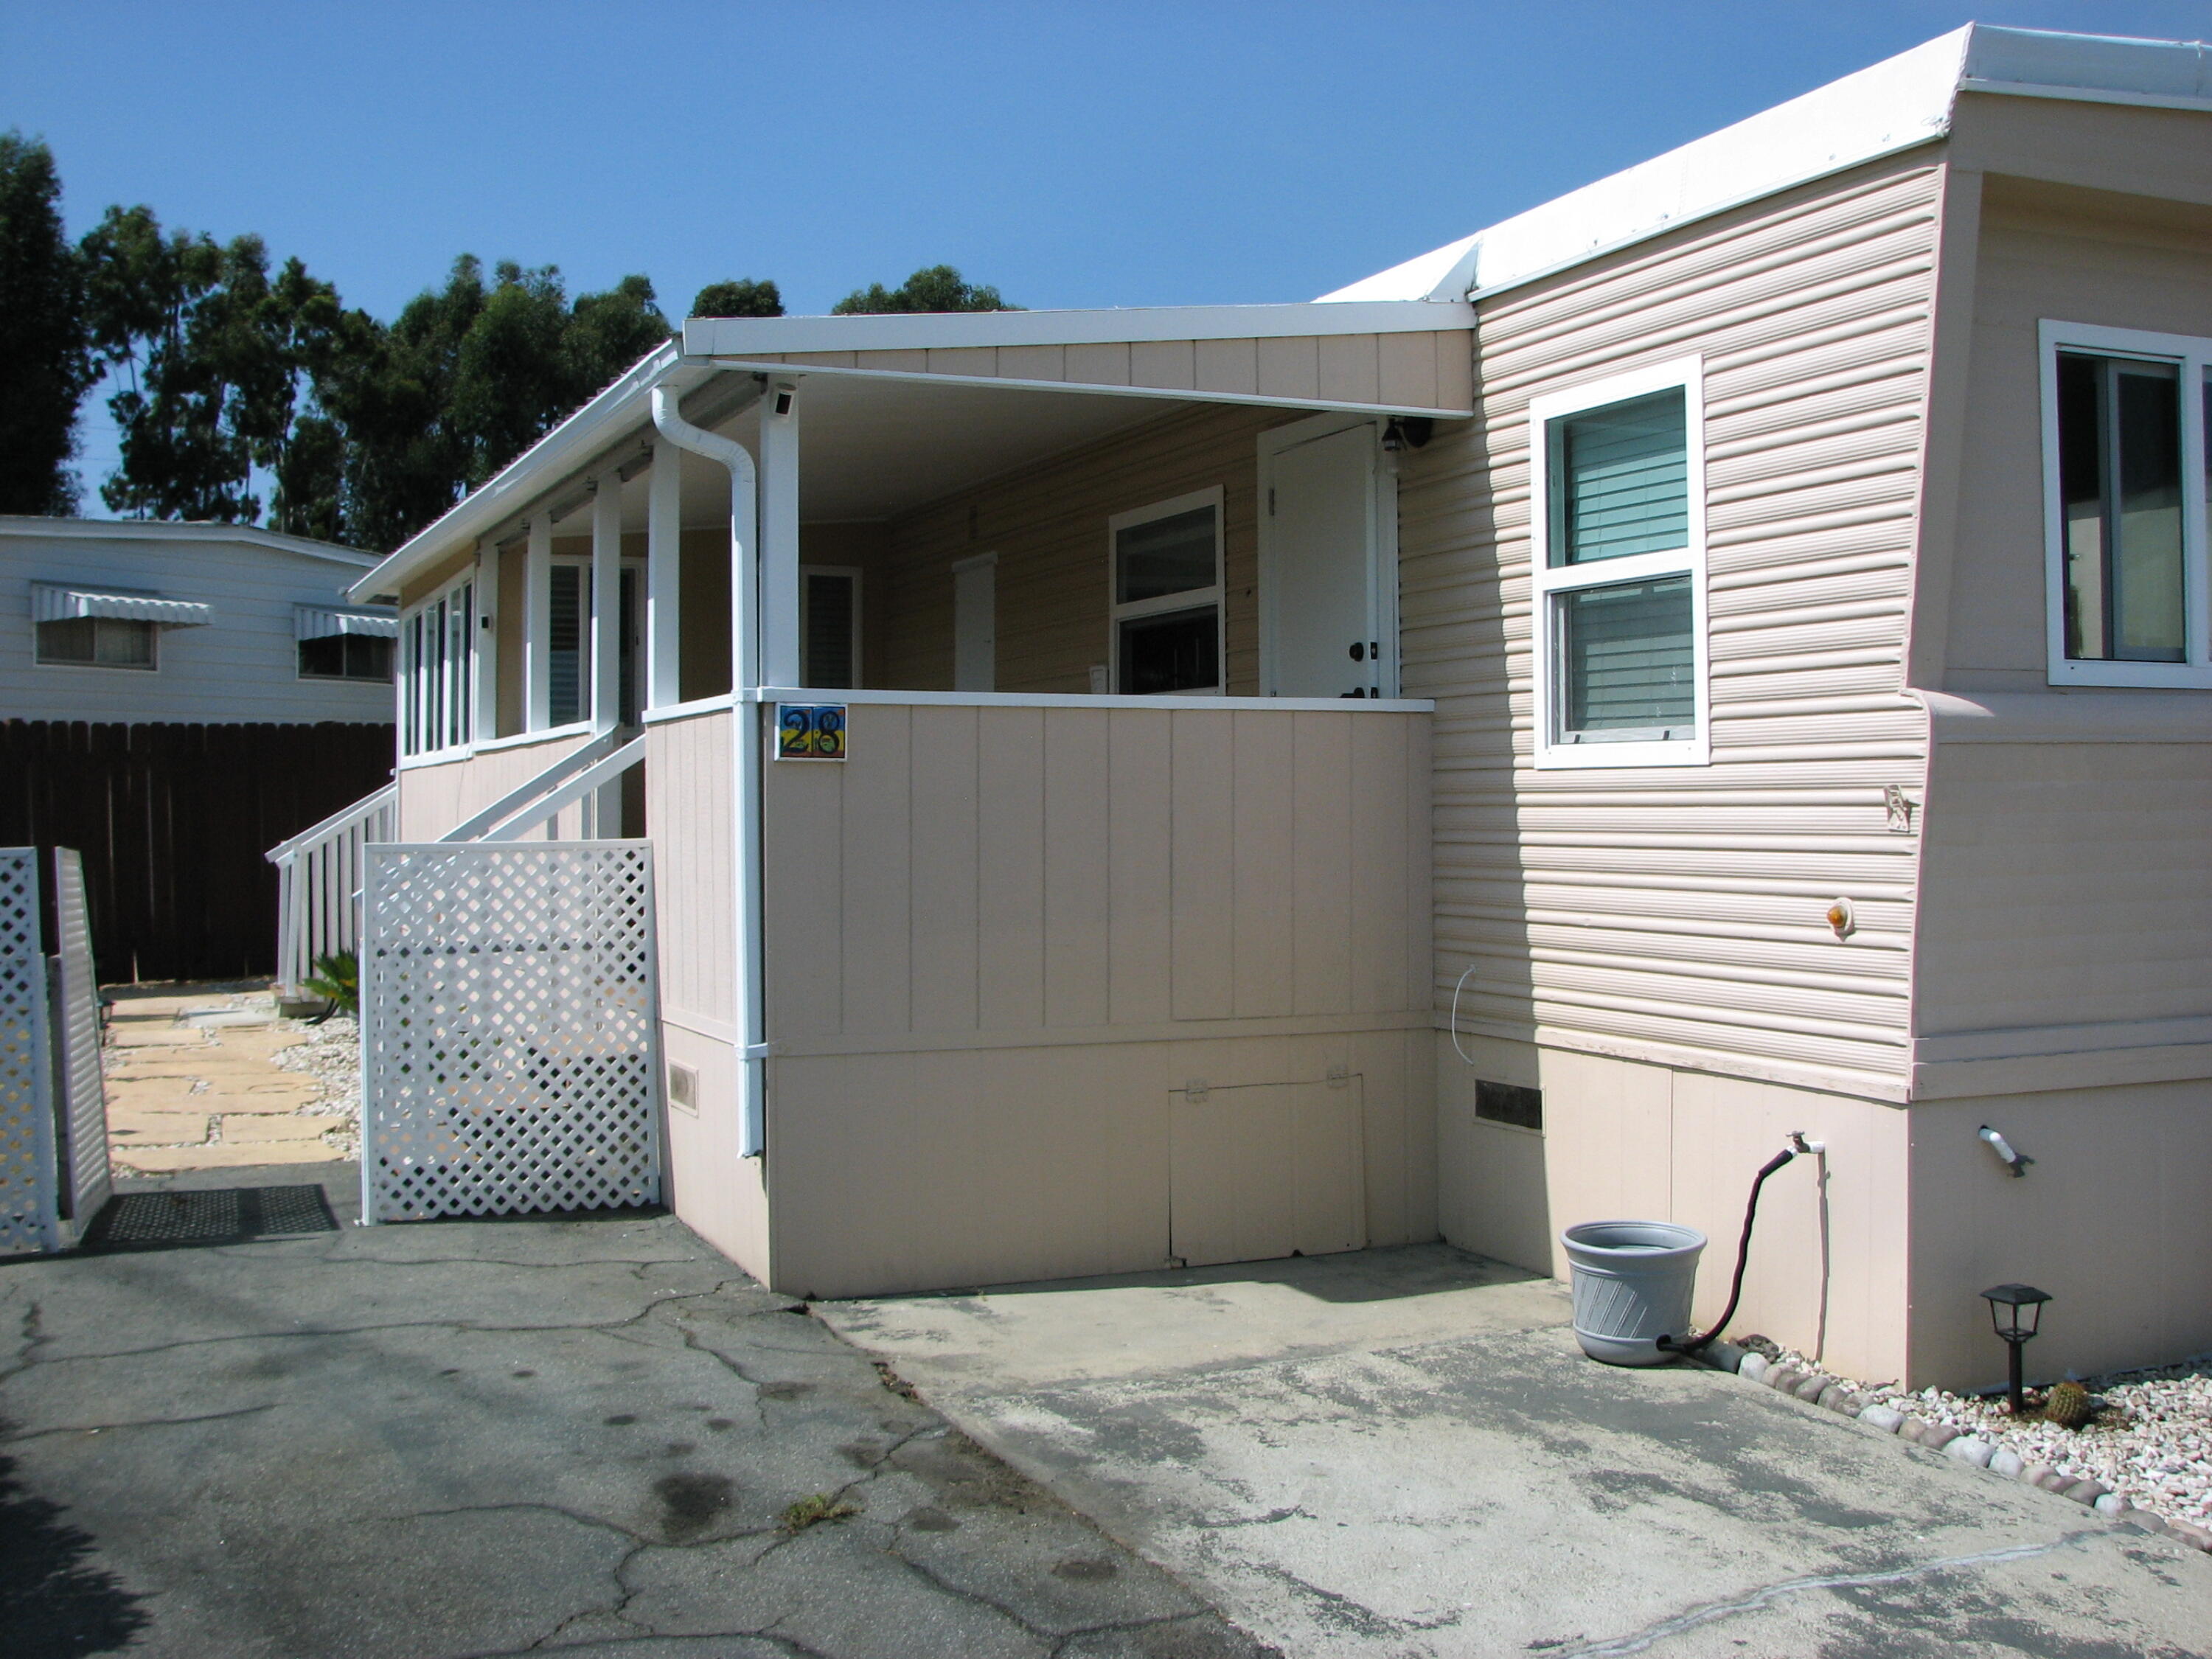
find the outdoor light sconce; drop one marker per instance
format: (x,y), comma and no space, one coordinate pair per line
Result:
(2015,1310)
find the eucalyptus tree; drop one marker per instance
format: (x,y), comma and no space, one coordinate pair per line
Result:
(45,361)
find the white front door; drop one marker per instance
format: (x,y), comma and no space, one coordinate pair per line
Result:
(976,623)
(1320,568)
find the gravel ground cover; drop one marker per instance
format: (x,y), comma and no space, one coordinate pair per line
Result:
(330,1053)
(2150,1439)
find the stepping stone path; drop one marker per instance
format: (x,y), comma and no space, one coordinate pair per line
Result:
(192,1083)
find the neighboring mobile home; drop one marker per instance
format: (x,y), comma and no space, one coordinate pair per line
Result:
(1723,653)
(174,698)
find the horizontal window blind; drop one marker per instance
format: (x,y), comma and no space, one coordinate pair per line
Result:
(825,628)
(1620,480)
(565,657)
(1627,663)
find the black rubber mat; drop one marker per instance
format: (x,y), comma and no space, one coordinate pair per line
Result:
(221,1215)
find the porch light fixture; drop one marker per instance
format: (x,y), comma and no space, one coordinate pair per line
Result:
(2015,1310)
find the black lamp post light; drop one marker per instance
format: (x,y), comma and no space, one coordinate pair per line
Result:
(2015,1310)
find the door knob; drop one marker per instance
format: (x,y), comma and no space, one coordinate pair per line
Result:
(1358,652)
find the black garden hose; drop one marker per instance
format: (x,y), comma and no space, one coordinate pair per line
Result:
(1669,1344)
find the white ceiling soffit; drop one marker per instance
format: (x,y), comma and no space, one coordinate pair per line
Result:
(315,622)
(56,604)
(1893,104)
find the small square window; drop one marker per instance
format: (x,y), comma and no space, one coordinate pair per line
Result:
(97,643)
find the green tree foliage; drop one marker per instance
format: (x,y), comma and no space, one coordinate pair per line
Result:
(45,366)
(938,287)
(215,357)
(742,298)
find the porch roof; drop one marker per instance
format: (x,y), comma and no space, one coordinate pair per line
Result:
(904,410)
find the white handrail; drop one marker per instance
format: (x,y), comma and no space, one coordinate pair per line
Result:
(594,777)
(485,825)
(319,884)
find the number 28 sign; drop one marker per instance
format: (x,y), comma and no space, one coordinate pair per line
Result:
(810,731)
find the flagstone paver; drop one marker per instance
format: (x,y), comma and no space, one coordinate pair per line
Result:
(192,1084)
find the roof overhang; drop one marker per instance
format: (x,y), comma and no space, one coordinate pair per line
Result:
(173,529)
(1301,357)
(1892,105)
(51,602)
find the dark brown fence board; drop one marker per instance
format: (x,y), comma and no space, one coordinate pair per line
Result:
(172,821)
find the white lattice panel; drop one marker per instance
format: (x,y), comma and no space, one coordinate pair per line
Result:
(509,1028)
(85,1177)
(27,1218)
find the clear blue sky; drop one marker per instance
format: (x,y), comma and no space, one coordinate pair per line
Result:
(1071,154)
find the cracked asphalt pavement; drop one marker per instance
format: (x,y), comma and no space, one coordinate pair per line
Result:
(497,1437)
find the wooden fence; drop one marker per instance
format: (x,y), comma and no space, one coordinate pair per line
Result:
(172,821)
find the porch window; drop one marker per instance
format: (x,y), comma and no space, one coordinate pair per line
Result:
(567,677)
(437,652)
(1619,575)
(2126,470)
(1167,588)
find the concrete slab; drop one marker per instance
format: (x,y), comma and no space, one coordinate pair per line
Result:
(493,1437)
(139,1129)
(1403,1453)
(225,1155)
(266,1127)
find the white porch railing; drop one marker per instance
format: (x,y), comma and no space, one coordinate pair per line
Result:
(319,876)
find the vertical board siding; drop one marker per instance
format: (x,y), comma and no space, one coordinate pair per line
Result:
(690,808)
(1048,526)
(1682,908)
(1010,869)
(172,821)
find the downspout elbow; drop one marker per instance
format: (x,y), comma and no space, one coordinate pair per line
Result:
(671,425)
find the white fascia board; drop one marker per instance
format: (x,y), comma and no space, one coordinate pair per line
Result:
(538,469)
(171,530)
(1892,105)
(753,337)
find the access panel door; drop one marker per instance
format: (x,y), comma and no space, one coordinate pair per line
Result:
(1265,1169)
(1319,570)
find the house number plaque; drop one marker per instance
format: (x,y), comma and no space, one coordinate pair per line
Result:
(810,731)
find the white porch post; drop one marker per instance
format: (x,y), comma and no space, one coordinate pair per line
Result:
(537,626)
(484,648)
(664,578)
(778,535)
(607,602)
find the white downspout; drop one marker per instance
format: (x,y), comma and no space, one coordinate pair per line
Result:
(744,727)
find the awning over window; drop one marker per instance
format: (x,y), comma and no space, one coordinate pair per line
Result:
(317,622)
(50,603)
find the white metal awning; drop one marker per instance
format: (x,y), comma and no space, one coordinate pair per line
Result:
(320,622)
(54,603)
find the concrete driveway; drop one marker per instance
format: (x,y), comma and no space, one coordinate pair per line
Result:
(490,1437)
(1402,1452)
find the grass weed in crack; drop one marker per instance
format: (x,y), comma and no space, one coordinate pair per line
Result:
(813,1510)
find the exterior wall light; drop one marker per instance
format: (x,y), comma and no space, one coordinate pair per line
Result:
(2015,1310)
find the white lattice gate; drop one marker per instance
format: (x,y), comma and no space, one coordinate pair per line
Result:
(29,1218)
(509,1028)
(85,1175)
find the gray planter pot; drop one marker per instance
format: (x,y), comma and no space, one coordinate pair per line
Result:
(1633,1284)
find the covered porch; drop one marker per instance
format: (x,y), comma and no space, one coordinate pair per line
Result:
(1104,941)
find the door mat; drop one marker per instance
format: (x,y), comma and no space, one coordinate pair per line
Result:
(223,1215)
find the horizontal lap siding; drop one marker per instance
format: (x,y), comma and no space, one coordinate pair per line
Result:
(997,870)
(1048,526)
(1681,908)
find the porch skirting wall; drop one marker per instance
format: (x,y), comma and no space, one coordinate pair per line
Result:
(1038,977)
(435,796)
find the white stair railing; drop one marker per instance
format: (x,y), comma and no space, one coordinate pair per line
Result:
(318,875)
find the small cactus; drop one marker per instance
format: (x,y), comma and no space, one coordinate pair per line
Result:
(2067,1404)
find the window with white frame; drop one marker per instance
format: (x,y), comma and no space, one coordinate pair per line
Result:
(1166,584)
(437,650)
(2127,468)
(1618,576)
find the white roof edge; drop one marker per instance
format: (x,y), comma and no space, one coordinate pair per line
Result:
(597,423)
(1889,106)
(185,530)
(750,336)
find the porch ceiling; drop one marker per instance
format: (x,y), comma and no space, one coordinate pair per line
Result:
(872,448)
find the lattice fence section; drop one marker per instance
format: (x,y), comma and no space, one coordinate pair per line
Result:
(85,1178)
(28,1221)
(509,1028)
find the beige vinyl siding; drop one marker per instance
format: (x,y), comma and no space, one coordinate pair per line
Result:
(1048,526)
(434,797)
(1678,911)
(1415,371)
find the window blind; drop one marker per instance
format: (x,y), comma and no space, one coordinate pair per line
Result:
(565,657)
(826,631)
(1620,480)
(1627,661)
